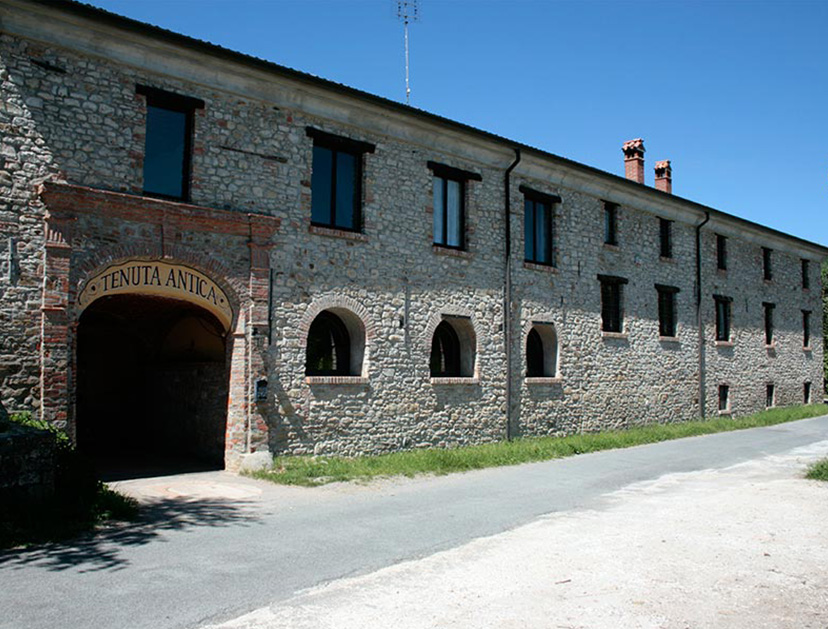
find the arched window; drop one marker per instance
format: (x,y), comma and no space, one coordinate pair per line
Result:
(445,352)
(542,351)
(329,347)
(534,355)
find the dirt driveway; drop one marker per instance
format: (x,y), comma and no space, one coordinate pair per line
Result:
(742,547)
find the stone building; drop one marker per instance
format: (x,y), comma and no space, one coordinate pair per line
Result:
(207,254)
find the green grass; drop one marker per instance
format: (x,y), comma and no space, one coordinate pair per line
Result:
(818,470)
(318,470)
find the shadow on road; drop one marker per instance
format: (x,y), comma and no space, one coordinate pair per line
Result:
(103,550)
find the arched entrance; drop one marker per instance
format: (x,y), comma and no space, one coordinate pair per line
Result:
(152,370)
(151,385)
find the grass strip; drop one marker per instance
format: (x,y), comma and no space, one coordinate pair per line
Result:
(312,471)
(818,470)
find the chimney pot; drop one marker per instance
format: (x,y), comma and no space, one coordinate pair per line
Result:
(634,160)
(664,176)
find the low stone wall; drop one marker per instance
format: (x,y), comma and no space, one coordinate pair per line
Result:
(27,467)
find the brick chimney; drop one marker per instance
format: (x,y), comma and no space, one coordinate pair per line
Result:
(664,176)
(634,159)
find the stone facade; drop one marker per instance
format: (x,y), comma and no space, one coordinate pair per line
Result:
(72,205)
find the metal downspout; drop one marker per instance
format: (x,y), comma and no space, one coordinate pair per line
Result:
(699,324)
(507,293)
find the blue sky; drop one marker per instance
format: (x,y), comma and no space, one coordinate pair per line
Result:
(733,93)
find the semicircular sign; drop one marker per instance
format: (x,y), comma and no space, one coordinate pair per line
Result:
(162,279)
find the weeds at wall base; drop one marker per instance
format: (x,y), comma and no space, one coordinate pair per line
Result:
(312,471)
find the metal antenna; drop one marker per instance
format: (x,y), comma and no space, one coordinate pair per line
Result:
(407,11)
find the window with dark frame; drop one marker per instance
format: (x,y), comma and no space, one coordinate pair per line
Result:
(666,231)
(449,204)
(534,355)
(538,226)
(328,347)
(612,295)
(806,328)
(336,180)
(767,267)
(769,395)
(721,252)
(168,143)
(667,310)
(610,223)
(724,398)
(768,312)
(445,352)
(722,317)
(806,392)
(806,274)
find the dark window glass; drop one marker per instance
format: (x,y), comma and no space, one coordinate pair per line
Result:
(769,391)
(166,152)
(721,252)
(724,395)
(806,328)
(806,392)
(667,310)
(449,219)
(767,269)
(329,347)
(445,352)
(722,319)
(335,188)
(806,274)
(768,322)
(610,224)
(666,228)
(534,355)
(538,231)
(611,310)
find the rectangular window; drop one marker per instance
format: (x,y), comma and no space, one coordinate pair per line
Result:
(538,226)
(610,223)
(168,143)
(721,252)
(666,310)
(449,200)
(769,396)
(724,398)
(806,328)
(612,295)
(722,317)
(666,229)
(768,309)
(767,268)
(336,180)
(806,392)
(806,274)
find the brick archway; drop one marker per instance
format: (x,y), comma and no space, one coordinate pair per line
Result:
(225,239)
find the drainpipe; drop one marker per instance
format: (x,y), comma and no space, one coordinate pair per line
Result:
(702,410)
(507,293)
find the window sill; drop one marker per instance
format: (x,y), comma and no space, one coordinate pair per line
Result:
(623,336)
(611,247)
(669,339)
(667,258)
(724,343)
(333,232)
(543,380)
(454,380)
(721,272)
(726,413)
(538,266)
(335,380)
(807,349)
(452,253)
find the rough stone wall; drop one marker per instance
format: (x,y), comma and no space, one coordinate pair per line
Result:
(746,364)
(27,467)
(79,120)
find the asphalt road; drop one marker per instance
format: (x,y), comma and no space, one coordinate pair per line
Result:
(212,558)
